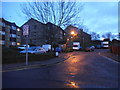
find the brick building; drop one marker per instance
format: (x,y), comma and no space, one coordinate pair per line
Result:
(77,36)
(40,33)
(55,33)
(10,33)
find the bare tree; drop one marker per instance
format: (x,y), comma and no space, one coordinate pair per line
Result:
(59,13)
(109,35)
(95,36)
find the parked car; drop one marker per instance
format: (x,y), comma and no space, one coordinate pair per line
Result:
(76,46)
(91,48)
(34,50)
(47,47)
(98,46)
(23,47)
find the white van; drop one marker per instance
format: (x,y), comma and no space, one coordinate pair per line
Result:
(47,47)
(76,46)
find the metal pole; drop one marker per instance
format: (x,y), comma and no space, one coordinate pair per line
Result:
(27,50)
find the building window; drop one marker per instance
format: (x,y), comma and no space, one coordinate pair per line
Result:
(61,32)
(18,29)
(2,33)
(13,43)
(13,39)
(13,27)
(2,42)
(3,28)
(18,36)
(18,43)
(3,37)
(12,31)
(13,35)
(1,23)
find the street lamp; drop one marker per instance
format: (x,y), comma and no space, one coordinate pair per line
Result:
(72,32)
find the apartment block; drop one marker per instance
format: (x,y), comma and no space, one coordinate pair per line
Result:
(10,33)
(40,33)
(73,34)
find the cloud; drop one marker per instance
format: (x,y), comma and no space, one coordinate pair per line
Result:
(101,17)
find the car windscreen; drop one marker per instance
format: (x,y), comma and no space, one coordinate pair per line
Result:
(75,45)
(32,48)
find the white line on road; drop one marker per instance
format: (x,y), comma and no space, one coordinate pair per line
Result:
(108,58)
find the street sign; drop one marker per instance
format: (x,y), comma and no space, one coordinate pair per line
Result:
(26,30)
(26,33)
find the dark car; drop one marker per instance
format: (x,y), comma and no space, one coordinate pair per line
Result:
(58,49)
(98,46)
(90,48)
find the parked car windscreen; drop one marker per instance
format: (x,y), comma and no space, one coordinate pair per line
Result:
(75,45)
(32,48)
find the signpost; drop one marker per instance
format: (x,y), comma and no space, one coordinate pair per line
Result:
(26,33)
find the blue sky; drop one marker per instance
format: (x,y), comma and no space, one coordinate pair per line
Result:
(99,17)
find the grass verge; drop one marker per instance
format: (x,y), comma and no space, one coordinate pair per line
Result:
(12,55)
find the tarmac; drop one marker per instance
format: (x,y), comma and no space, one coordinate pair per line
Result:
(35,64)
(59,59)
(112,56)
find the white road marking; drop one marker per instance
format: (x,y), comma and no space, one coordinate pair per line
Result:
(108,58)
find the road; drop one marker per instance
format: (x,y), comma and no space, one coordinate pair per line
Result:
(80,70)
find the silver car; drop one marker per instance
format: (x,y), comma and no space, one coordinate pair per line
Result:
(34,50)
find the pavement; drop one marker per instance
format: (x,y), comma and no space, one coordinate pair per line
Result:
(35,64)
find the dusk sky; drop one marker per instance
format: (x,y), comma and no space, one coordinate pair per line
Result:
(99,17)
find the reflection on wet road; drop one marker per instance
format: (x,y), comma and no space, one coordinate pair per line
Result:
(80,70)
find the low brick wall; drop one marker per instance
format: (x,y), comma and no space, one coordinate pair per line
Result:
(115,49)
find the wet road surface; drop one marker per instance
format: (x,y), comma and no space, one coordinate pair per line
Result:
(80,70)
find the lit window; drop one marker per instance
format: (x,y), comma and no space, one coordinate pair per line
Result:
(18,36)
(18,43)
(13,43)
(18,29)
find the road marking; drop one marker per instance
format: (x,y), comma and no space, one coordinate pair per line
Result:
(108,58)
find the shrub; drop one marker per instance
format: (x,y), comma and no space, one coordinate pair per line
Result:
(68,50)
(12,55)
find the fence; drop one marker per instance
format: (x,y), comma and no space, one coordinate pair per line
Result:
(115,49)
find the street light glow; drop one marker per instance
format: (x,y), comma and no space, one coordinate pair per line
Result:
(72,32)
(67,39)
